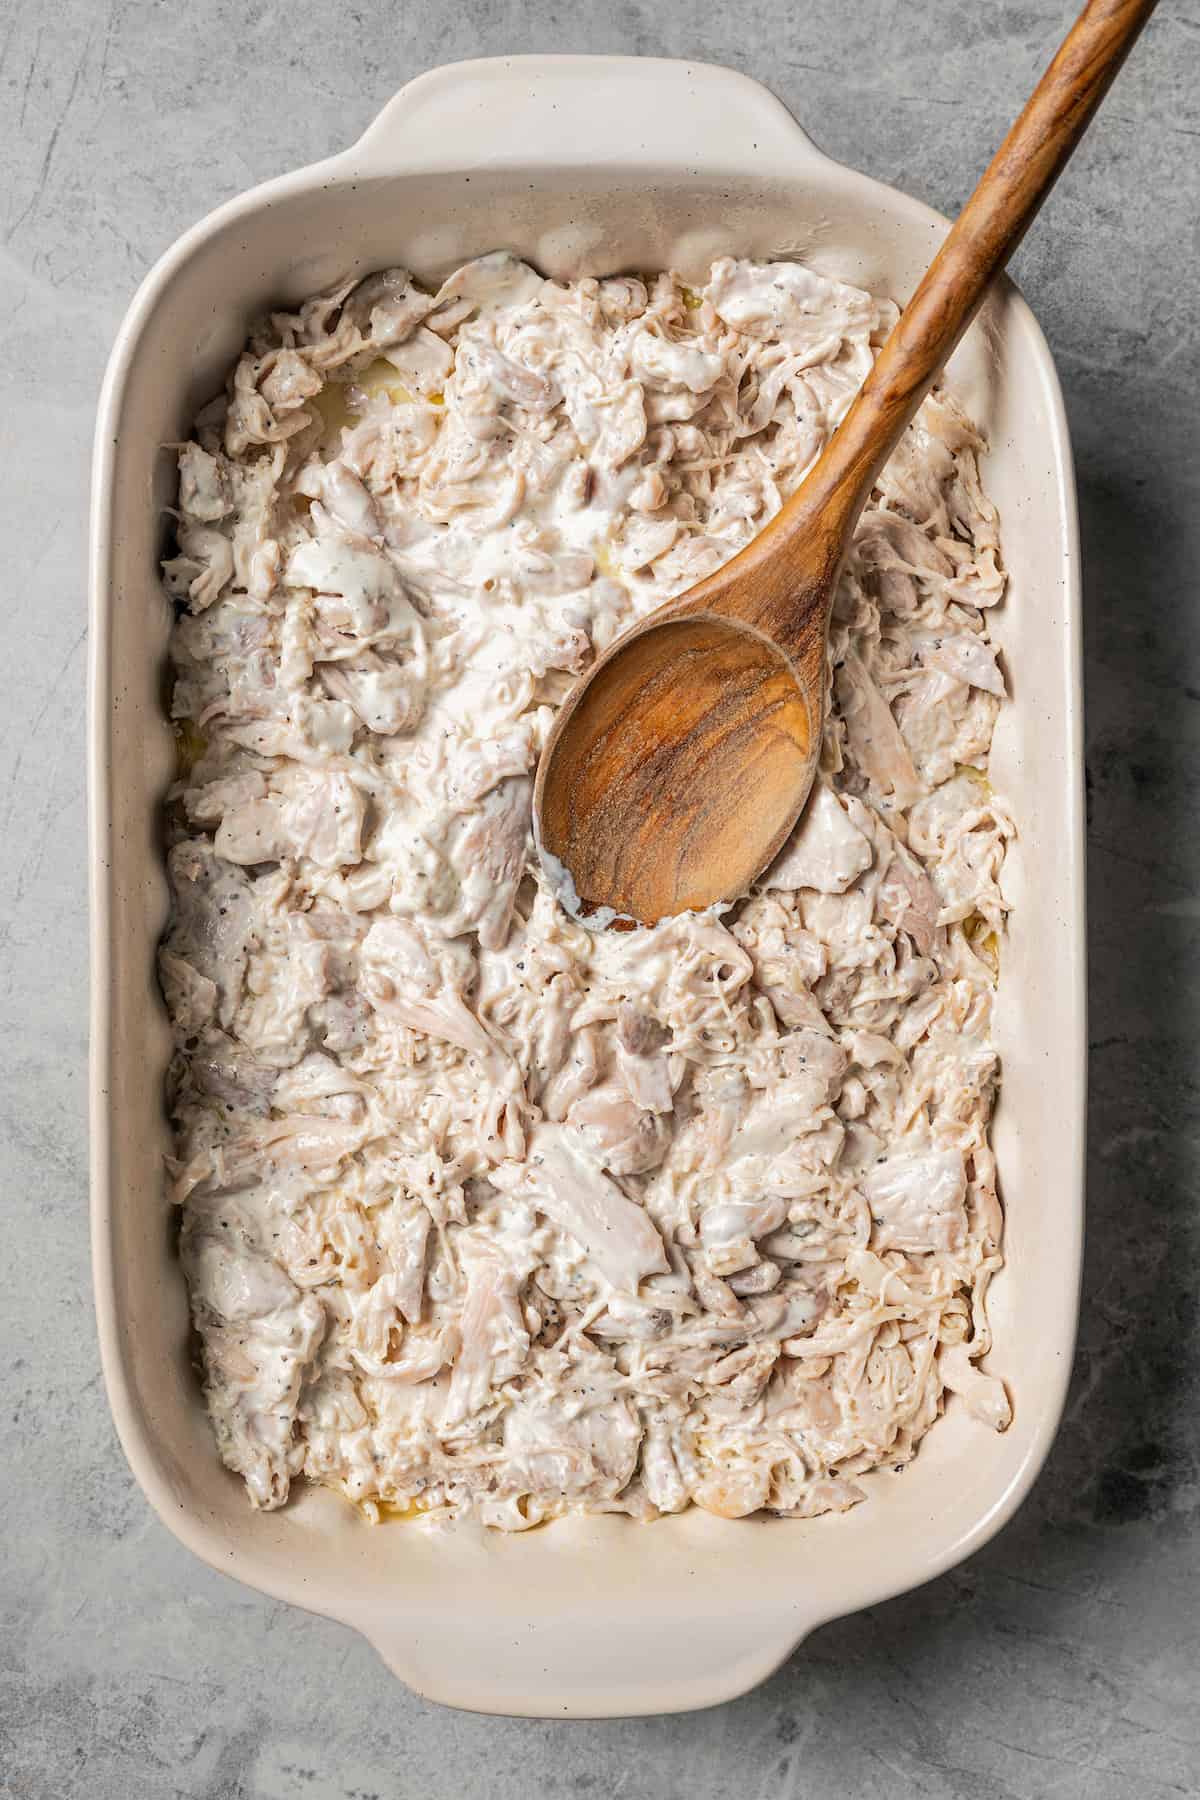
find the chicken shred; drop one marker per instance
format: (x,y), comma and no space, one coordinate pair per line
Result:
(484,1212)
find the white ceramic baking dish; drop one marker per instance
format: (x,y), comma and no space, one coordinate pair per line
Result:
(582,165)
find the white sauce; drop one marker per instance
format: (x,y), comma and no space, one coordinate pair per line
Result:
(485,1212)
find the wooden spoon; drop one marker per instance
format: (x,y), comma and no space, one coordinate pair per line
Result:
(678,766)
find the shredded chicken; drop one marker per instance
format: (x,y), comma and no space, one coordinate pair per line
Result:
(484,1212)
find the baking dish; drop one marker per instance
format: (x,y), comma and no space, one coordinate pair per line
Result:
(582,165)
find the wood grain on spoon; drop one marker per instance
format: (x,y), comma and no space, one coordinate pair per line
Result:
(678,766)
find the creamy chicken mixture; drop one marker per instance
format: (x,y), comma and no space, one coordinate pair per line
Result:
(483,1211)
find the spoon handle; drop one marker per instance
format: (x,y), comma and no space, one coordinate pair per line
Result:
(986,233)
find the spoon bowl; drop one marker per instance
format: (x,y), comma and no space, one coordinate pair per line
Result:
(694,706)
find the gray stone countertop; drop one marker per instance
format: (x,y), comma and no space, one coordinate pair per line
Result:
(1063,1659)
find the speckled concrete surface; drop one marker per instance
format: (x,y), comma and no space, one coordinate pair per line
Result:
(1063,1660)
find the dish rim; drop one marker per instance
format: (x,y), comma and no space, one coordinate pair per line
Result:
(376,153)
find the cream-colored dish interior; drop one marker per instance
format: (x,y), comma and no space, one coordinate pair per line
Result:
(588,1616)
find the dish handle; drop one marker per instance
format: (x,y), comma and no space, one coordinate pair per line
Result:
(555,1666)
(611,111)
